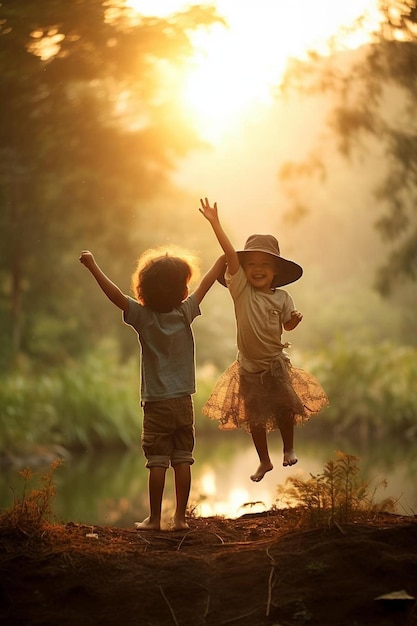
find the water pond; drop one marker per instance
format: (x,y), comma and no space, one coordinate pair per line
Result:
(111,489)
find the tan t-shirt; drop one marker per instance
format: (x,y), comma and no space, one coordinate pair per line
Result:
(259,317)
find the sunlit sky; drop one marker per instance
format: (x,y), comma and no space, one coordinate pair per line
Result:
(230,92)
(235,69)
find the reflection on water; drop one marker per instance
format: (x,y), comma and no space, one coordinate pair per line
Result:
(111,489)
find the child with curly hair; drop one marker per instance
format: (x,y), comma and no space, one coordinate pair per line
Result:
(161,315)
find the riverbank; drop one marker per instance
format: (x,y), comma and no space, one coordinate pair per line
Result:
(256,570)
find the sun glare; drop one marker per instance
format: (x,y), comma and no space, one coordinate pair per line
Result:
(234,69)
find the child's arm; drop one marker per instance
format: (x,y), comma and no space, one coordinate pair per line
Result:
(111,290)
(209,278)
(294,320)
(210,213)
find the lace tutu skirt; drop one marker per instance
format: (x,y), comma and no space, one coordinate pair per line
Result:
(240,399)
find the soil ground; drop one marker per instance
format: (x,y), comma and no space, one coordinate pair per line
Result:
(256,570)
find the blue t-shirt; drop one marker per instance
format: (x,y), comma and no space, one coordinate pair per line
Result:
(167,344)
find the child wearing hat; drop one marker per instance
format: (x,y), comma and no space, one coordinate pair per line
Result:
(261,391)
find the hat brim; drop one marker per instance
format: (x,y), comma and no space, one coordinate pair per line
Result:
(288,271)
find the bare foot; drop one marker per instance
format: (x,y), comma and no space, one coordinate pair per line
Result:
(263,468)
(178,524)
(147,525)
(290,458)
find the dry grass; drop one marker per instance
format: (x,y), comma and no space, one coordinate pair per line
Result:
(335,496)
(31,511)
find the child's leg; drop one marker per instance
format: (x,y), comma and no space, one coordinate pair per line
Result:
(261,444)
(287,434)
(182,473)
(156,490)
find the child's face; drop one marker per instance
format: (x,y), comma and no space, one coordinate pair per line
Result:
(260,269)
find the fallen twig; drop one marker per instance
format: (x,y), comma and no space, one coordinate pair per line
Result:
(169,606)
(197,531)
(143,538)
(206,612)
(270,581)
(270,587)
(239,617)
(338,526)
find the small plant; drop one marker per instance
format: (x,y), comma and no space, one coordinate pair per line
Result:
(316,567)
(32,511)
(251,505)
(335,496)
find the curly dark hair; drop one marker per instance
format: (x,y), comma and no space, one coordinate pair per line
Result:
(161,280)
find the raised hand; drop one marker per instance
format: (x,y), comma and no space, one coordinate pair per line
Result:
(211,215)
(111,290)
(87,259)
(209,212)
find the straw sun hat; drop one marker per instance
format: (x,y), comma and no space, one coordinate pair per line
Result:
(287,271)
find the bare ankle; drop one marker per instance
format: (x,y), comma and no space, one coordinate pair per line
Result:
(263,468)
(290,458)
(148,524)
(179,523)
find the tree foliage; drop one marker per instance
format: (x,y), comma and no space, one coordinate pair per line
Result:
(376,95)
(88,130)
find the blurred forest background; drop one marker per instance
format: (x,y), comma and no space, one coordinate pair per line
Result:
(97,152)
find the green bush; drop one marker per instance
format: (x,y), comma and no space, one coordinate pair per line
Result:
(94,403)
(370,388)
(88,404)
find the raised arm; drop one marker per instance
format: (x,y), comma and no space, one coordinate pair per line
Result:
(211,214)
(111,290)
(209,277)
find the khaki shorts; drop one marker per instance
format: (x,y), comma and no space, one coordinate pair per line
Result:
(168,432)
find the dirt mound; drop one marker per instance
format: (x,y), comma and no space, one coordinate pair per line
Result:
(259,569)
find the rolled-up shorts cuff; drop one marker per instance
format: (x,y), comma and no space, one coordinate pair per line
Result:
(157,461)
(181,456)
(178,456)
